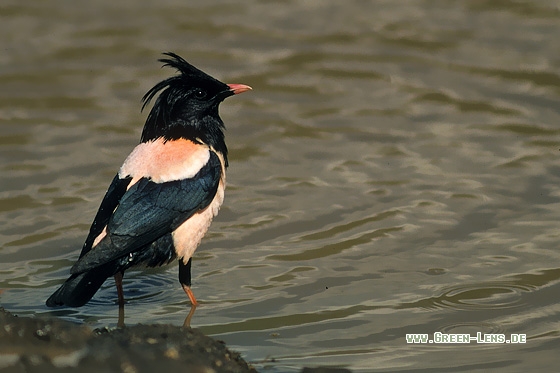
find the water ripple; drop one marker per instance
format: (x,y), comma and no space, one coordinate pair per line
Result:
(490,295)
(338,247)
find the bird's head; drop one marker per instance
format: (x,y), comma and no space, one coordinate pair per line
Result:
(187,106)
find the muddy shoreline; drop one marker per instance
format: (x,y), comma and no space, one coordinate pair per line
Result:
(50,344)
(39,344)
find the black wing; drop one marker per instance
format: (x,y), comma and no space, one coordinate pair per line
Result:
(149,210)
(116,191)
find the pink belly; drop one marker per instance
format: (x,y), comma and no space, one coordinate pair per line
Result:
(188,235)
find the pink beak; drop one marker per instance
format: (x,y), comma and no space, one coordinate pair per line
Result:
(239,88)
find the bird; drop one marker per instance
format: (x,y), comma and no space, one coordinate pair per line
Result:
(166,193)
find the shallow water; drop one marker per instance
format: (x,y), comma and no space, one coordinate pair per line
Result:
(395,170)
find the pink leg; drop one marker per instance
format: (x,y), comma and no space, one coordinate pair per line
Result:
(190,294)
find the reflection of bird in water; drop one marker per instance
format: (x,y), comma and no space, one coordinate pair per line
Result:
(163,199)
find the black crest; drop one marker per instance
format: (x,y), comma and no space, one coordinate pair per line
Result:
(187,106)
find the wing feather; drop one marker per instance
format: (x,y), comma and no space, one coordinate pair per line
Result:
(110,202)
(149,210)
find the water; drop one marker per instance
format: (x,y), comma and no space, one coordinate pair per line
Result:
(395,170)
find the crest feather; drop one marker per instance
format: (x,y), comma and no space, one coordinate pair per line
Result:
(188,72)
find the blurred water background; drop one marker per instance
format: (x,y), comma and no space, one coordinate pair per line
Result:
(395,170)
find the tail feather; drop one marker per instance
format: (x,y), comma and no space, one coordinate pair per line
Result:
(81,287)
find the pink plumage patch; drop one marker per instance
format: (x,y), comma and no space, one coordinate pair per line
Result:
(165,161)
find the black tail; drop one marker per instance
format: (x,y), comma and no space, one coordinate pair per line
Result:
(81,287)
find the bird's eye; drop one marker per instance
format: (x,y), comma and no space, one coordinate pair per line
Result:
(200,94)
